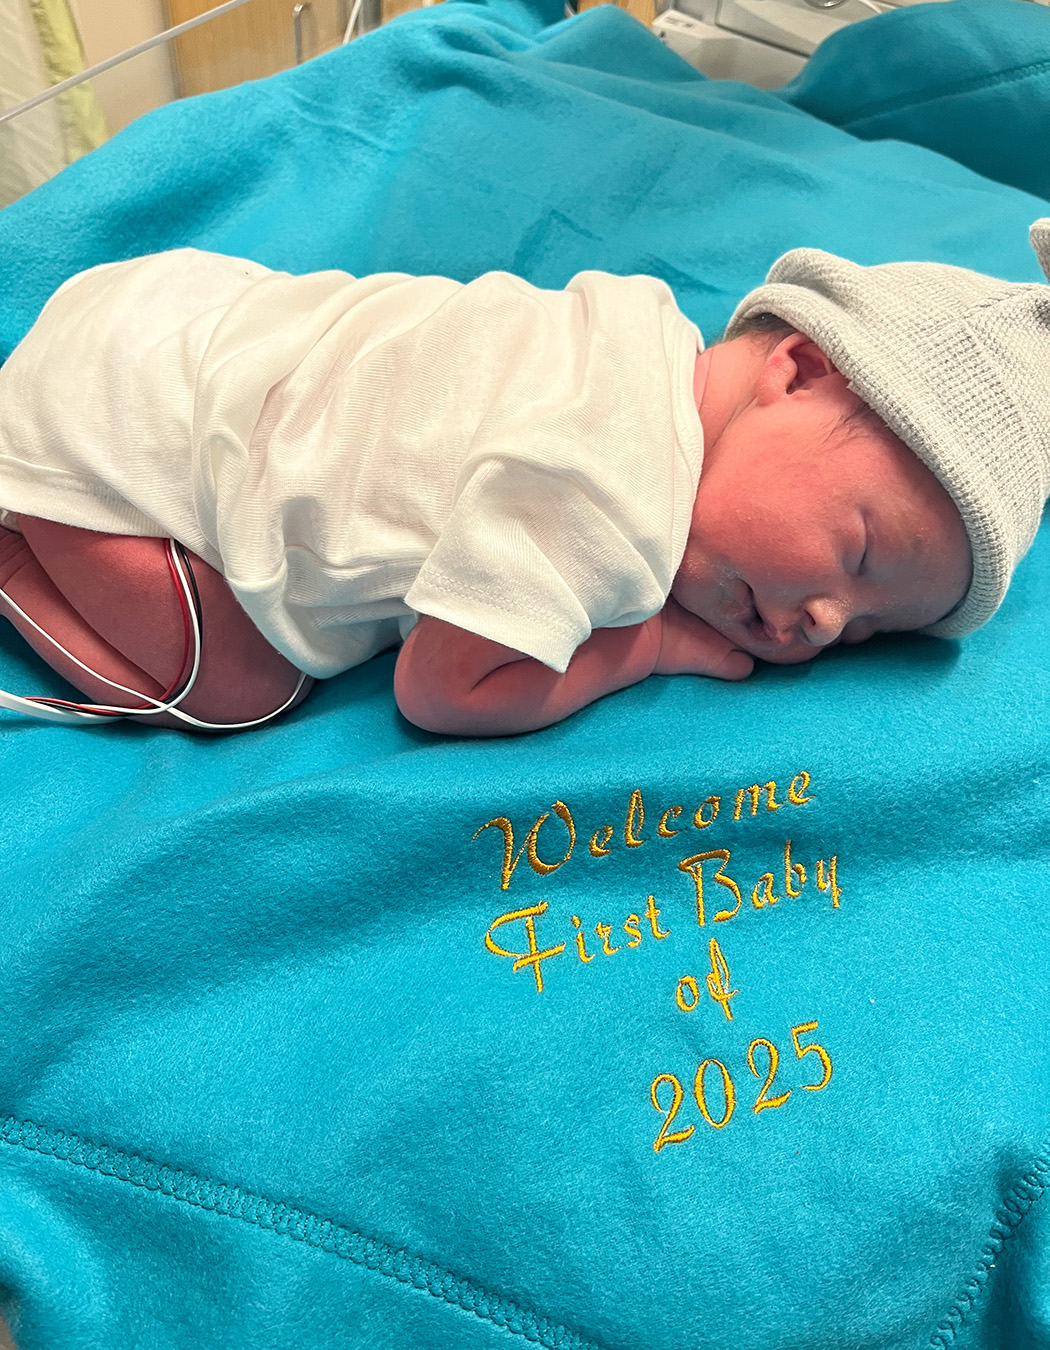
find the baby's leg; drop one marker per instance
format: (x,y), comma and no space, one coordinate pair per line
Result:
(111,600)
(28,585)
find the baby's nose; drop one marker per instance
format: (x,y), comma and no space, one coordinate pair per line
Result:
(823,621)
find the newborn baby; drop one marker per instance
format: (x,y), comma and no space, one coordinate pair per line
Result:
(812,524)
(546,496)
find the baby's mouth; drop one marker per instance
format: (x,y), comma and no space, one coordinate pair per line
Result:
(755,634)
(743,613)
(737,617)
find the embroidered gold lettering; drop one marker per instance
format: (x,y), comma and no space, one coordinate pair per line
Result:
(695,867)
(718,980)
(664,1137)
(727,1088)
(630,926)
(829,880)
(537,865)
(792,869)
(674,812)
(795,793)
(635,820)
(812,1049)
(762,1102)
(698,817)
(687,993)
(604,931)
(585,956)
(765,886)
(653,915)
(598,847)
(687,996)
(510,861)
(754,792)
(533,956)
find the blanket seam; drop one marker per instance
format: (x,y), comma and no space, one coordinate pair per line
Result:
(251,1207)
(1018,1203)
(875,110)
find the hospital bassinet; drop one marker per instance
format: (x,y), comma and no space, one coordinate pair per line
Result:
(715,1016)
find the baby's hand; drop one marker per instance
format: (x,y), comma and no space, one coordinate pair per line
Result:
(688,646)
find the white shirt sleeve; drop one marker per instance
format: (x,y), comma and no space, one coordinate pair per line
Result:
(529,559)
(572,508)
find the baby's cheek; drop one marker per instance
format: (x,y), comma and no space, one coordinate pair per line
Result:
(689,566)
(684,590)
(859,630)
(698,572)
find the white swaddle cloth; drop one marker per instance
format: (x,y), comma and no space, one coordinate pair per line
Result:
(350,453)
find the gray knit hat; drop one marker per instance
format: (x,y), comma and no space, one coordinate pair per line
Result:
(957,364)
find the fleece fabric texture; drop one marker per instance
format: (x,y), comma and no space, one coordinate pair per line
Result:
(714,1016)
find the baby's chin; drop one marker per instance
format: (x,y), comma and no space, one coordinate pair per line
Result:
(788,656)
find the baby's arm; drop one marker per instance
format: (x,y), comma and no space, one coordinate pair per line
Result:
(451,681)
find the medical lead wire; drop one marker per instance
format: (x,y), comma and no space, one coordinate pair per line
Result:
(176,684)
(84,714)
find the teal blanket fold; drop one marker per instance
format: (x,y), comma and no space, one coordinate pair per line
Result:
(715,1016)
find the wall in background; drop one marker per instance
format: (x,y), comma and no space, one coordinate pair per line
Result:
(136,86)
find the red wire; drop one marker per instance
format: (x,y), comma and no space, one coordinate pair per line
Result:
(186,625)
(188,635)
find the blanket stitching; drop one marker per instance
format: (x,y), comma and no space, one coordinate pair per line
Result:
(1016,1206)
(897,104)
(300,1225)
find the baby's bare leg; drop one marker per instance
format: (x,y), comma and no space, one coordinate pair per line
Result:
(114,599)
(28,585)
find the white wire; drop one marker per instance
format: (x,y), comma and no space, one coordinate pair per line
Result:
(351,23)
(44,713)
(240,726)
(215,726)
(102,708)
(95,712)
(169,33)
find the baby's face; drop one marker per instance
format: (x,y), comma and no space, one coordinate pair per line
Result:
(804,535)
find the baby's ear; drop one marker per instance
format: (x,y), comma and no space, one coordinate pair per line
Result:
(795,363)
(811,364)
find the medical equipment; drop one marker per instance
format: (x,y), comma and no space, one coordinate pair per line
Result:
(85,714)
(761,42)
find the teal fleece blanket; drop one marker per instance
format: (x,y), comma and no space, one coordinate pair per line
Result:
(715,1016)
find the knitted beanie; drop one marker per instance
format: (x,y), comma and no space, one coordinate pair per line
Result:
(957,364)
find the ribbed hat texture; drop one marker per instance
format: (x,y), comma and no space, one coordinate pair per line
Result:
(957,364)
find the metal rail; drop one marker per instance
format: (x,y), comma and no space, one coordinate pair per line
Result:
(112,61)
